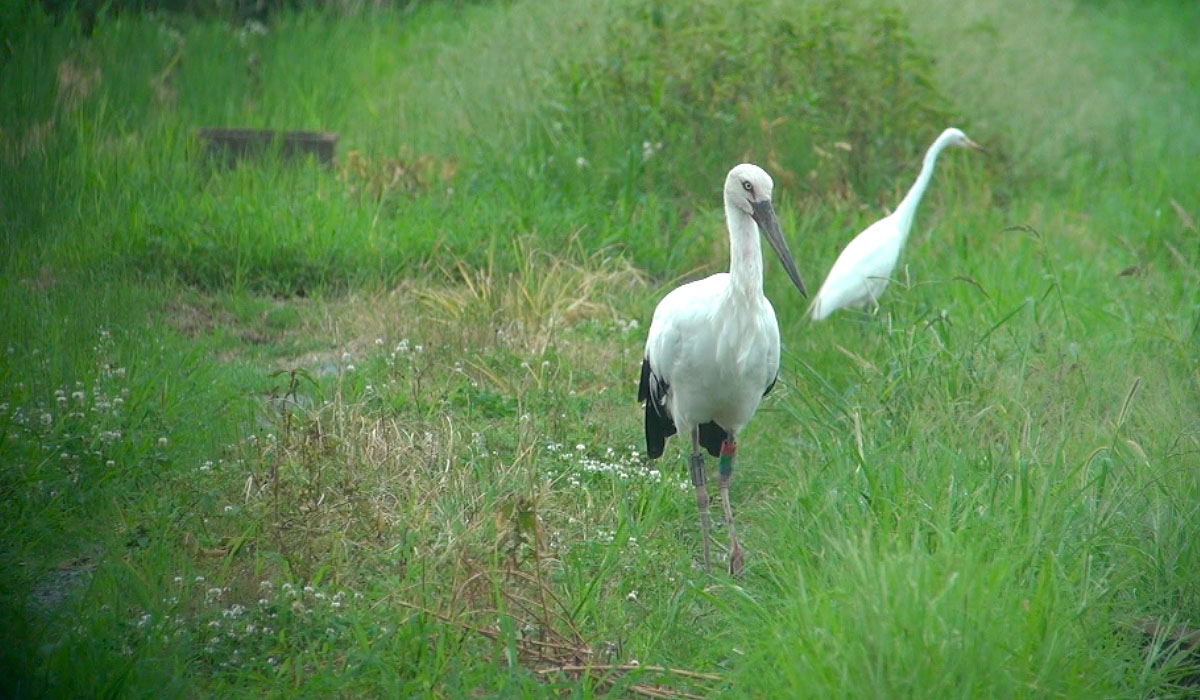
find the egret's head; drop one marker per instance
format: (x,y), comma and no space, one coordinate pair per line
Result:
(748,190)
(955,137)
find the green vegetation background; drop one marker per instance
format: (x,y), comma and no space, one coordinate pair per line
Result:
(370,429)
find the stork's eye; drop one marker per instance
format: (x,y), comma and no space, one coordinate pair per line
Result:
(747,186)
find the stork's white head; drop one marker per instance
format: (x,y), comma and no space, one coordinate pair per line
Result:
(746,185)
(748,191)
(955,137)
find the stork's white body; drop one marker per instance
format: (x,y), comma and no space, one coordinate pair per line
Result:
(713,347)
(717,349)
(863,270)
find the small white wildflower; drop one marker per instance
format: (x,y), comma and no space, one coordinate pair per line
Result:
(581,162)
(632,597)
(162,441)
(379,341)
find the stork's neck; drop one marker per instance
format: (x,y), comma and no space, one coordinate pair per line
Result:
(907,208)
(745,255)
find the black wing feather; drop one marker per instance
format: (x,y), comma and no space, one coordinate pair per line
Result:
(711,437)
(659,425)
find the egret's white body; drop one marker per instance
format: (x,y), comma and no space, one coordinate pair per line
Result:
(713,347)
(863,270)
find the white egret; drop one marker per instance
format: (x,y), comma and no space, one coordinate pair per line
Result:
(864,268)
(713,348)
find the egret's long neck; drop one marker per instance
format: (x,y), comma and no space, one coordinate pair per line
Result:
(745,255)
(907,208)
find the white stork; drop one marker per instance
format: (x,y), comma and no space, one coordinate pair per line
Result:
(863,270)
(713,348)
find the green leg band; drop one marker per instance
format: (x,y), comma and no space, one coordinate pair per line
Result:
(726,465)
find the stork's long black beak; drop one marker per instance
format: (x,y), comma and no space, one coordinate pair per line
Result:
(764,216)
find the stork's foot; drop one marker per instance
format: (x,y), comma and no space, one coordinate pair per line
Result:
(736,561)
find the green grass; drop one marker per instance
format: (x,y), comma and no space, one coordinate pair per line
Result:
(370,430)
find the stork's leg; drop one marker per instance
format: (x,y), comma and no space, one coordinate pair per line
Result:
(696,469)
(728,451)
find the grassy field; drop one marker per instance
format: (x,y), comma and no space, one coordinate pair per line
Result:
(370,430)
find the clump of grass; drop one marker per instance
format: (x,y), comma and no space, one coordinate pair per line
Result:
(525,308)
(811,92)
